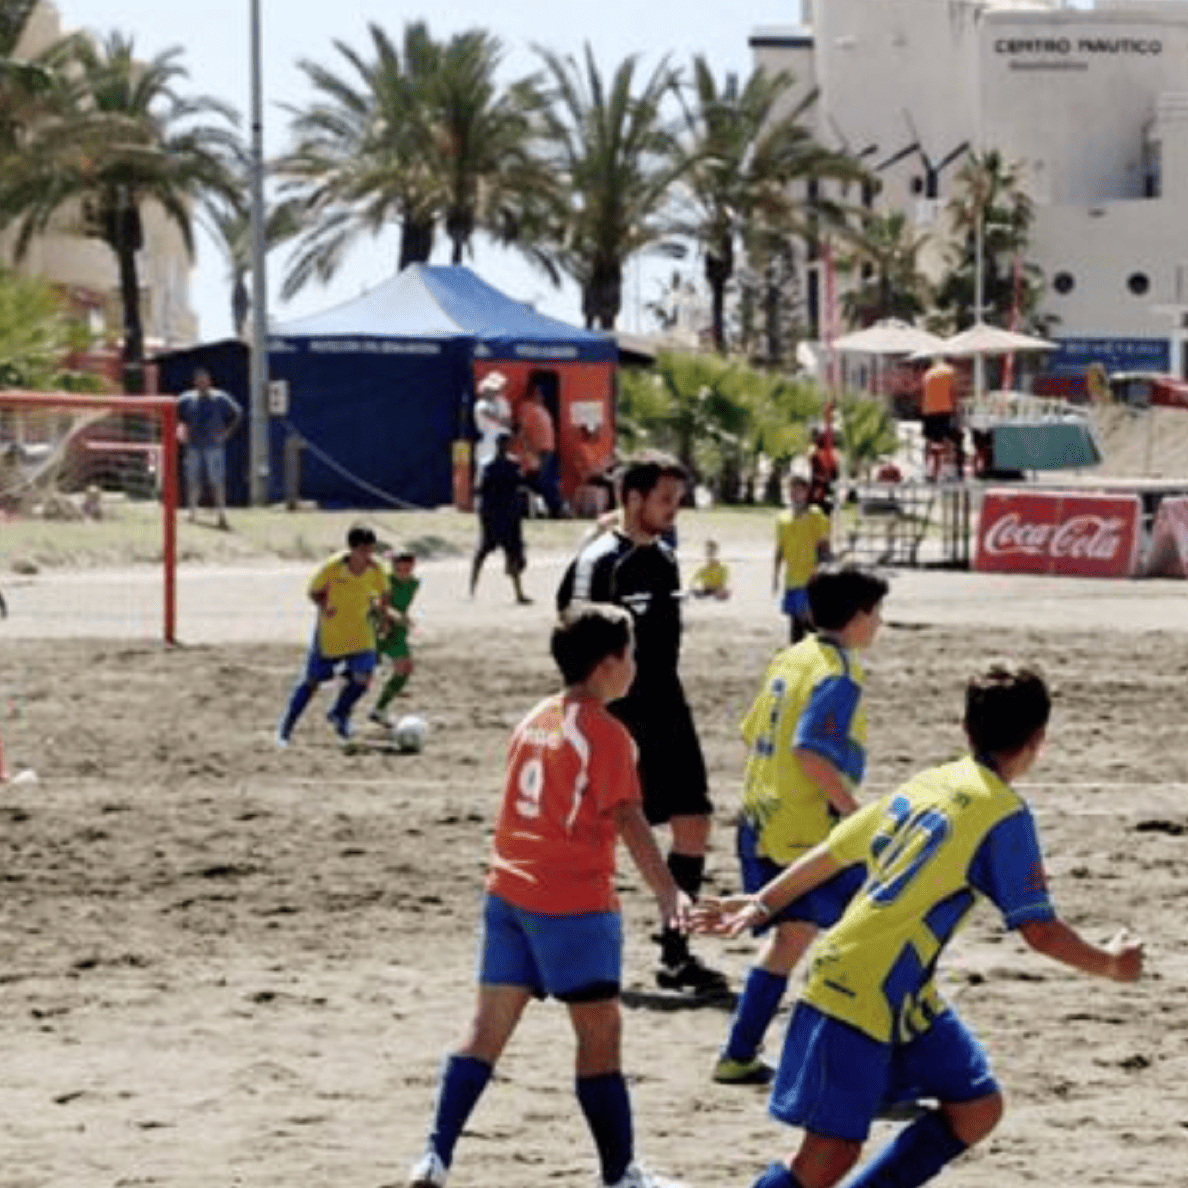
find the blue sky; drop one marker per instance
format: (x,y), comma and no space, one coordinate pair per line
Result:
(215,37)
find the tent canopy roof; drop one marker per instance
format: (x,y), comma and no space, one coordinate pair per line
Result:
(438,302)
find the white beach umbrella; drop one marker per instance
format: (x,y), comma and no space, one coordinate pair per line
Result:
(984,339)
(889,337)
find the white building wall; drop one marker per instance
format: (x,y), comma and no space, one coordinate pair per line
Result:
(1092,102)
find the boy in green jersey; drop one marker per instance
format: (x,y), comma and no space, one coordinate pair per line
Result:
(393,633)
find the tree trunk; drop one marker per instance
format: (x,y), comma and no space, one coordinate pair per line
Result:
(719,268)
(133,354)
(416,241)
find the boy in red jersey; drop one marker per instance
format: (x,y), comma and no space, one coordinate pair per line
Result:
(551,923)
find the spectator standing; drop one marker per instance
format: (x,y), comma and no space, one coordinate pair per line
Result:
(492,417)
(538,450)
(206,419)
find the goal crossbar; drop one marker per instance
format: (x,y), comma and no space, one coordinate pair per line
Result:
(164,408)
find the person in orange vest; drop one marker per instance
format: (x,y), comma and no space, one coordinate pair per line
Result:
(537,448)
(939,409)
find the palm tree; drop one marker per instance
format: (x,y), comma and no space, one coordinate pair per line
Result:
(482,145)
(231,225)
(744,166)
(121,137)
(359,162)
(989,191)
(614,158)
(412,135)
(886,256)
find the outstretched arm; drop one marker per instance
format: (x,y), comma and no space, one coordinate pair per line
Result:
(1121,960)
(729,917)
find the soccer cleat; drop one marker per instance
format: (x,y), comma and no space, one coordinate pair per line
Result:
(638,1177)
(339,725)
(428,1172)
(743,1072)
(693,975)
(281,739)
(381,719)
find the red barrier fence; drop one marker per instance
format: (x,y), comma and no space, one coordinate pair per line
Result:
(1058,532)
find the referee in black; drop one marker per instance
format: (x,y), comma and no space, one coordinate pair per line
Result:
(633,567)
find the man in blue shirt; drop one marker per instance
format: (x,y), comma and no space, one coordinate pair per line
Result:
(206,418)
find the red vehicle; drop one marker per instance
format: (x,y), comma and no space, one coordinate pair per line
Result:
(1146,389)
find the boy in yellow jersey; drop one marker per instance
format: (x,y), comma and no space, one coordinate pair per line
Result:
(347,590)
(806,743)
(802,543)
(712,580)
(871,1029)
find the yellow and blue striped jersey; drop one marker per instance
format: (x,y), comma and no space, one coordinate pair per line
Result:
(811,697)
(946,837)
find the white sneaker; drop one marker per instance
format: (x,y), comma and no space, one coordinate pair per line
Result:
(428,1172)
(638,1177)
(281,740)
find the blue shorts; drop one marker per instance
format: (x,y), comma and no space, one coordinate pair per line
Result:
(833,1079)
(822,906)
(208,459)
(319,668)
(796,603)
(575,958)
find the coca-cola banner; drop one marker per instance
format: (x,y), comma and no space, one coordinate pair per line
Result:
(1058,532)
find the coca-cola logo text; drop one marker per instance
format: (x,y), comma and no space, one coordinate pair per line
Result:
(1097,538)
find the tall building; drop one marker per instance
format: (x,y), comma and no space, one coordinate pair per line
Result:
(84,268)
(1091,102)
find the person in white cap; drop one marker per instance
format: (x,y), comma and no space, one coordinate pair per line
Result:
(492,417)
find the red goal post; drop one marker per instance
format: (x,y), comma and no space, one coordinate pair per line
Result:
(53,445)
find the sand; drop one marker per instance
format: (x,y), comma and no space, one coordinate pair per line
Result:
(224,965)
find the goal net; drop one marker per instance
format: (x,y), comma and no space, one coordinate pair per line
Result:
(90,481)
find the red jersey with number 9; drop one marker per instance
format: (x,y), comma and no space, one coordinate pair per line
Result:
(569,763)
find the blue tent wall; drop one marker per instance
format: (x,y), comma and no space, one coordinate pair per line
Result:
(379,418)
(227,362)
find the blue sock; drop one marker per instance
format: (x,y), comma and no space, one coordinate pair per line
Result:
(913,1156)
(777,1175)
(345,701)
(607,1107)
(463,1079)
(298,700)
(756,1008)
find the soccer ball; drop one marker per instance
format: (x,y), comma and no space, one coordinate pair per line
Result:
(409,733)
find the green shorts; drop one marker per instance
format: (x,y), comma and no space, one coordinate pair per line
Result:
(394,645)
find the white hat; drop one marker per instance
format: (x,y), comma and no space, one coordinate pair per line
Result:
(494,381)
(800,471)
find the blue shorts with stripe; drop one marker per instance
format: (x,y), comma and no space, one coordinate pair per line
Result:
(822,906)
(833,1079)
(576,958)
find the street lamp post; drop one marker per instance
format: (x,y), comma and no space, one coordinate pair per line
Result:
(258,420)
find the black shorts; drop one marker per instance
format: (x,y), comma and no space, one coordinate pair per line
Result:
(671,766)
(509,538)
(940,426)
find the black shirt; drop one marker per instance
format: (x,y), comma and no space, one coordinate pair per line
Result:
(643,579)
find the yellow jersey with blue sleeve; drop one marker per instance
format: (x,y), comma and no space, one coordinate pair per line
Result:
(811,698)
(945,838)
(345,624)
(798,535)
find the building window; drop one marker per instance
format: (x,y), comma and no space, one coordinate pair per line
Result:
(1063,282)
(1138,283)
